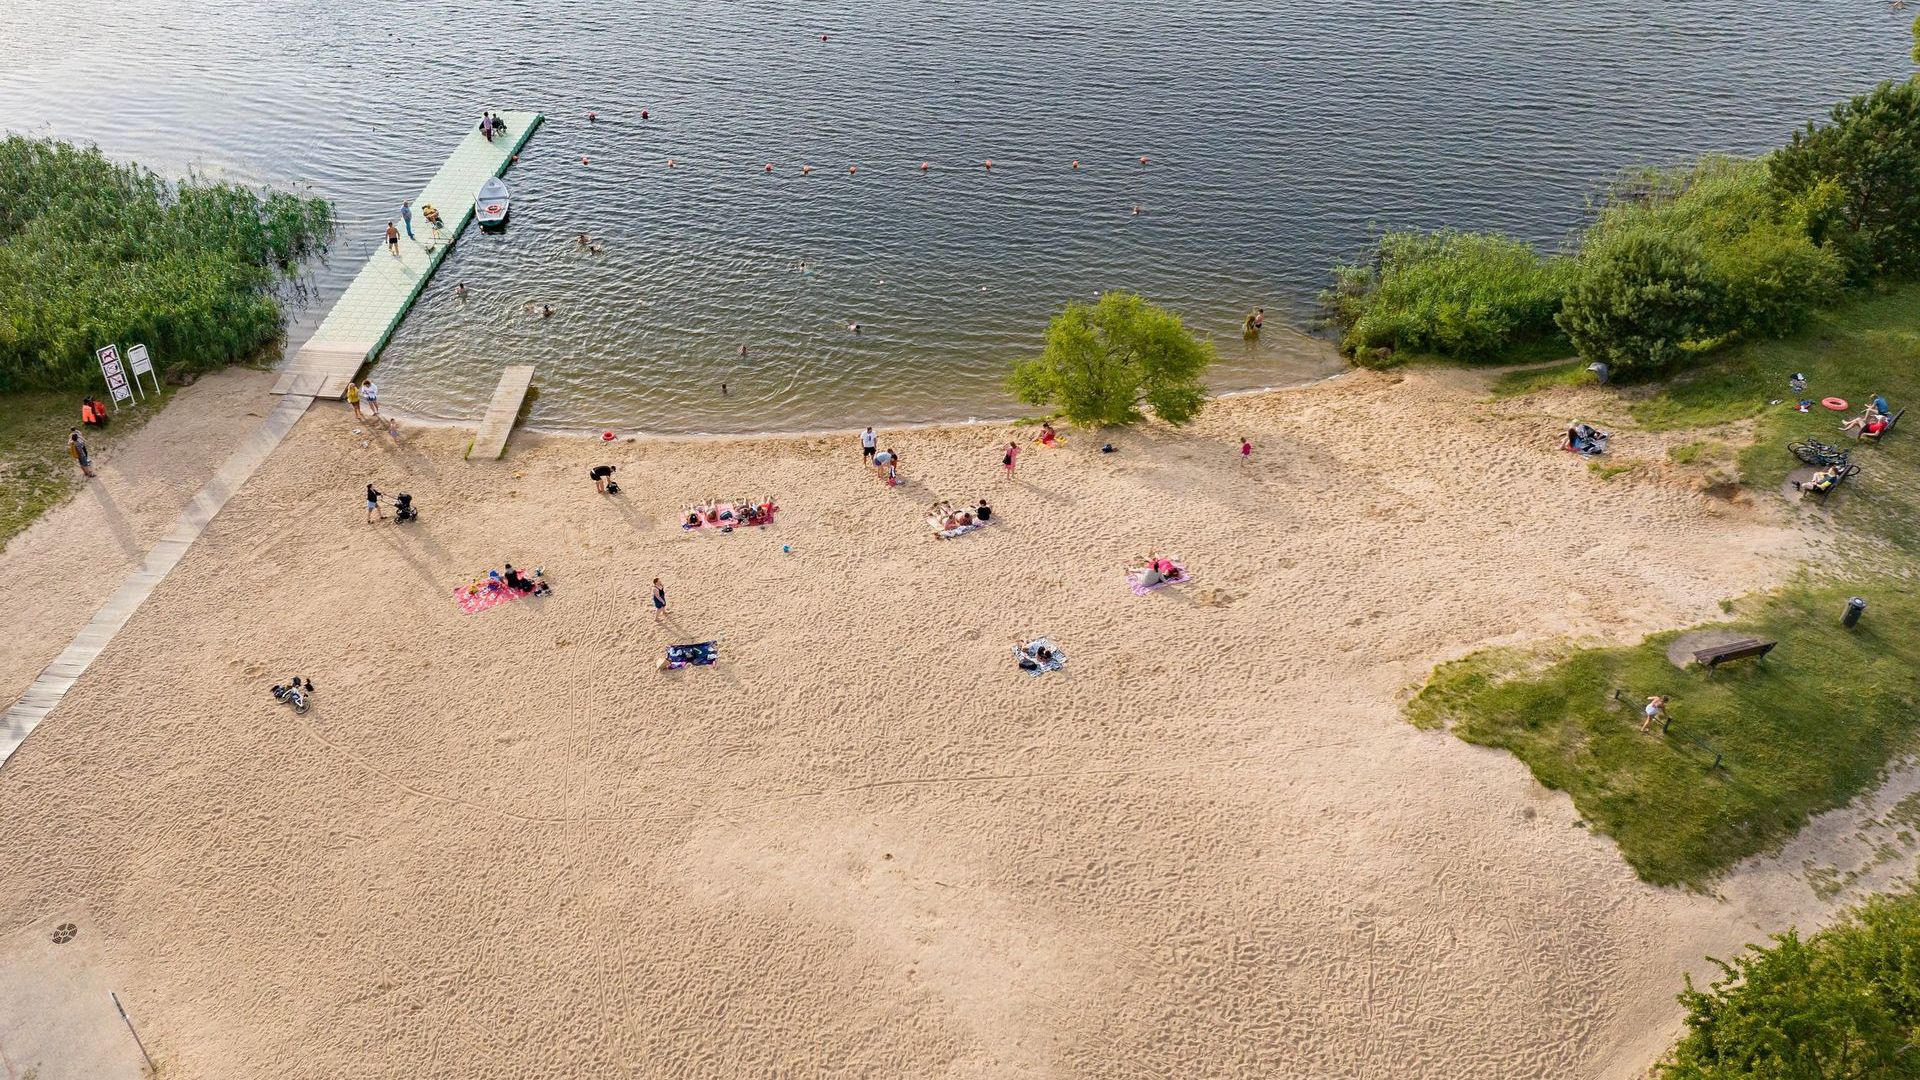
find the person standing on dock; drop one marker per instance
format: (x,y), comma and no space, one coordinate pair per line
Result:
(393,240)
(406,215)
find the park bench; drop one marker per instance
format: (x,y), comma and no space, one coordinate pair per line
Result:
(1888,430)
(1732,650)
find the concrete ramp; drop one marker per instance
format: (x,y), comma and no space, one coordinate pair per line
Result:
(491,440)
(57,1018)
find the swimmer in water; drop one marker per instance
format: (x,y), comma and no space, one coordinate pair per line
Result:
(743,352)
(854,326)
(546,310)
(723,389)
(593,118)
(1136,209)
(460,290)
(582,240)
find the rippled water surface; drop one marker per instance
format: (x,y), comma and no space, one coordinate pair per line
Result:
(1277,137)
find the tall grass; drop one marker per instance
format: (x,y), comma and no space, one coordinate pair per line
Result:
(1471,296)
(93,252)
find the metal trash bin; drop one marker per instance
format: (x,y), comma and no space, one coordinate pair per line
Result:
(1855,606)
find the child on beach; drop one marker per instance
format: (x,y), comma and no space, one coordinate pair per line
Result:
(1246,451)
(77,449)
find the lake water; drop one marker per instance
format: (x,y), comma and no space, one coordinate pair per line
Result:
(1278,137)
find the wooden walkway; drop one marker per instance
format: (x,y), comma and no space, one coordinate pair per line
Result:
(53,683)
(366,315)
(491,440)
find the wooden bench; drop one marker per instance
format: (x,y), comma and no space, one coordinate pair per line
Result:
(1732,650)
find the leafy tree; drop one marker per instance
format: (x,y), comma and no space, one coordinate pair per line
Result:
(1106,360)
(1844,1003)
(1459,294)
(1862,172)
(1641,300)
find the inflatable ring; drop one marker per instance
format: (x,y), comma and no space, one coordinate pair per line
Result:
(606,436)
(1835,403)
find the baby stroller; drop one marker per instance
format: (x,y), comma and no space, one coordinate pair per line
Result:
(403,509)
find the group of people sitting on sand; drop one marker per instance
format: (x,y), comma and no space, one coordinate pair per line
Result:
(1872,422)
(728,514)
(946,517)
(1151,569)
(511,578)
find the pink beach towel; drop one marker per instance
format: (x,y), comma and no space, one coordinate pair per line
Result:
(485,598)
(1133,581)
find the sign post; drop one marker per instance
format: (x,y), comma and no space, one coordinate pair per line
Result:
(116,377)
(141,364)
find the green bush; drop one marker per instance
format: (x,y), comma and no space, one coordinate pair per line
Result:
(1842,1003)
(1470,296)
(92,252)
(1683,261)
(1860,175)
(1106,360)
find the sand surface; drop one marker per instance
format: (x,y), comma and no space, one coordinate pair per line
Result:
(504,845)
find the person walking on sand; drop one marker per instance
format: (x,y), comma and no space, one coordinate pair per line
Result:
(77,448)
(1246,451)
(373,505)
(406,215)
(370,394)
(353,399)
(868,443)
(659,599)
(1656,710)
(1009,459)
(393,240)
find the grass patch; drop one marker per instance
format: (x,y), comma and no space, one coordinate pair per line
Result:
(36,474)
(1703,452)
(1519,383)
(1607,470)
(1814,724)
(1803,731)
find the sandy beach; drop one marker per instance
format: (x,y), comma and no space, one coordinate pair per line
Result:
(864,844)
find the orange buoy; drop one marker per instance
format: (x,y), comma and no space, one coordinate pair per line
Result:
(1143,159)
(923,166)
(851,169)
(989,163)
(1076,163)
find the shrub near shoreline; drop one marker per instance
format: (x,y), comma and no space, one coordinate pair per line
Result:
(1678,263)
(93,252)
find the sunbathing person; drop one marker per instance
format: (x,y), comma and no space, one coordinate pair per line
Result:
(1871,421)
(1822,481)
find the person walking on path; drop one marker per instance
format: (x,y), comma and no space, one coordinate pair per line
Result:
(373,505)
(868,441)
(370,394)
(1656,710)
(1010,458)
(659,599)
(353,399)
(77,447)
(393,240)
(406,215)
